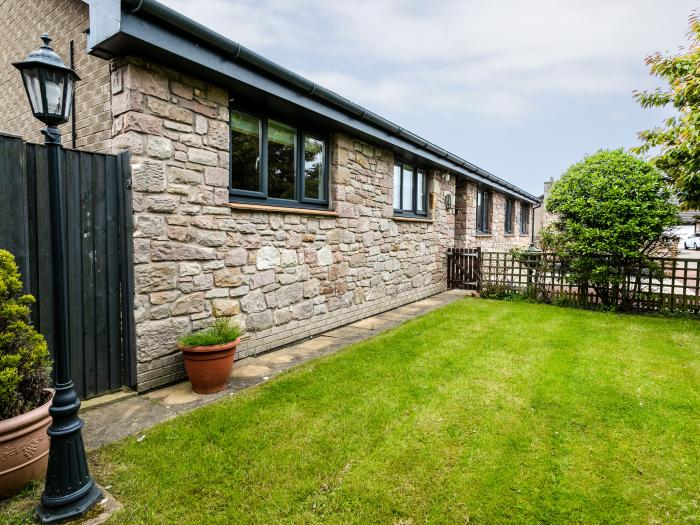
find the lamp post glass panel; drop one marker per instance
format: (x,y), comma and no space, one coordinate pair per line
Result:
(69,490)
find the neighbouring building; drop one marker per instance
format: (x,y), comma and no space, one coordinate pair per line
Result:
(257,194)
(541,217)
(689,222)
(688,225)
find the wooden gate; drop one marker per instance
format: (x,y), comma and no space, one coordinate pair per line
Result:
(463,268)
(98,255)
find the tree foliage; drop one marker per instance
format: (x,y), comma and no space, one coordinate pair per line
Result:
(612,209)
(24,357)
(678,140)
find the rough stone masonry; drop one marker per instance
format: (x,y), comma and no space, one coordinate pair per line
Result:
(282,276)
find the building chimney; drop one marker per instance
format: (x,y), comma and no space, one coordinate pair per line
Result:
(548,186)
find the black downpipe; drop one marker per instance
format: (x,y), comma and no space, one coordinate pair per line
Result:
(73,124)
(532,224)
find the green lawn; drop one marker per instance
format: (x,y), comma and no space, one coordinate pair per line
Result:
(480,412)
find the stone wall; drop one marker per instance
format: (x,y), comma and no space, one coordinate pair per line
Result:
(283,276)
(542,217)
(21,24)
(466,235)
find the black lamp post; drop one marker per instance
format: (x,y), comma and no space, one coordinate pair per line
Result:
(69,490)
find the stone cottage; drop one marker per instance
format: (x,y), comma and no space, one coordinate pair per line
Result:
(257,194)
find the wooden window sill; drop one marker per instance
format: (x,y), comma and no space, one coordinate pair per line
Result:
(240,206)
(411,219)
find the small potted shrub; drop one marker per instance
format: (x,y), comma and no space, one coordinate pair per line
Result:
(25,366)
(209,355)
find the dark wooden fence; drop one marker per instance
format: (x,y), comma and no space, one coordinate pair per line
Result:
(463,268)
(664,284)
(98,252)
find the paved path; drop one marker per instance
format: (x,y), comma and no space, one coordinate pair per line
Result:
(111,422)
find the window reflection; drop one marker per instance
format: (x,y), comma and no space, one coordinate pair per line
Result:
(420,191)
(280,160)
(313,168)
(245,152)
(397,187)
(407,192)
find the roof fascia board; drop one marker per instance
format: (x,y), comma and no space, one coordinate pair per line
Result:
(105,22)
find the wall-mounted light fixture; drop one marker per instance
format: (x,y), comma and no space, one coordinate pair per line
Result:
(448,201)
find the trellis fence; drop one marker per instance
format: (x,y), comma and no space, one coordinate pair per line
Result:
(664,284)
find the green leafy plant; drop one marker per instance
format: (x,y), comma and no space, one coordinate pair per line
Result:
(221,332)
(538,268)
(25,363)
(678,141)
(612,209)
(497,290)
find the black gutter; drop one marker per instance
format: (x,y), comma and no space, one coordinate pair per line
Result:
(240,52)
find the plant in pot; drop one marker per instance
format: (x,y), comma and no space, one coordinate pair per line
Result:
(25,365)
(209,354)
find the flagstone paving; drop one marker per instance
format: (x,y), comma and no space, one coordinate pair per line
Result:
(112,421)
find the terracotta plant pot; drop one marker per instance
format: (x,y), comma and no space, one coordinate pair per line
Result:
(24,448)
(209,367)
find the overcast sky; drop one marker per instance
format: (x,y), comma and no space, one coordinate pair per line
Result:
(522,88)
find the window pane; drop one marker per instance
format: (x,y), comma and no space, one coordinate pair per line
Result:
(420,191)
(53,84)
(407,188)
(280,160)
(31,78)
(508,219)
(397,187)
(485,210)
(69,98)
(245,152)
(479,210)
(313,168)
(524,218)
(482,211)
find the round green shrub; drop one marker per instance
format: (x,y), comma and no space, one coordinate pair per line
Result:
(25,363)
(611,212)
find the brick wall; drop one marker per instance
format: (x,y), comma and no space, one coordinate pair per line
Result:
(466,235)
(283,276)
(21,24)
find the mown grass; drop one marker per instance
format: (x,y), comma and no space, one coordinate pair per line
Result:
(480,412)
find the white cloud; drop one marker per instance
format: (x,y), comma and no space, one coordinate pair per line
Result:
(523,87)
(481,57)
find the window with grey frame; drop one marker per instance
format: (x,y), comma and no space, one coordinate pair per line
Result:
(509,217)
(524,218)
(410,191)
(483,205)
(272,162)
